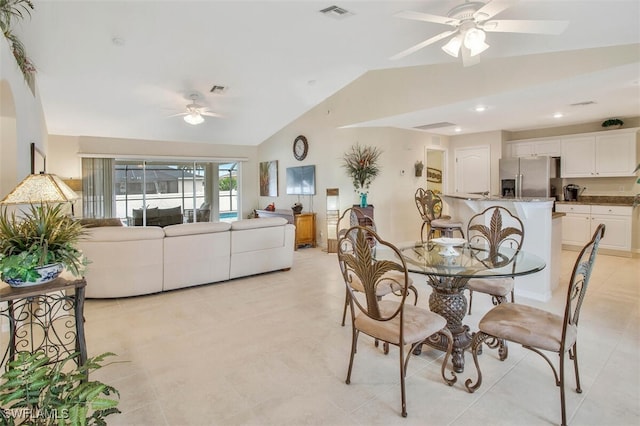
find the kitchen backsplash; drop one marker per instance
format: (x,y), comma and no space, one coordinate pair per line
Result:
(605,199)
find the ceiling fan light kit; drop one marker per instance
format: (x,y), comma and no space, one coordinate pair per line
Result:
(195,113)
(194,118)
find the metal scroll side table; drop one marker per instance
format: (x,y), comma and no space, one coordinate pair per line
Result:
(47,317)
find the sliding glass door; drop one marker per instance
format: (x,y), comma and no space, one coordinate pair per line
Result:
(161,193)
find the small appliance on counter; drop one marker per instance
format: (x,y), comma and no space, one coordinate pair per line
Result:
(571,192)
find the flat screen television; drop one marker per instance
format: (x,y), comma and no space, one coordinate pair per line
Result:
(301,180)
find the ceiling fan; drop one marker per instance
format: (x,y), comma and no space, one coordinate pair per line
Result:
(470,21)
(195,113)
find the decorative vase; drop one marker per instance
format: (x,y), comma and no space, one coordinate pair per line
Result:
(363,199)
(47,273)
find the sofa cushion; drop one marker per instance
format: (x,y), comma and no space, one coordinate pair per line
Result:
(124,233)
(98,222)
(170,216)
(196,228)
(258,223)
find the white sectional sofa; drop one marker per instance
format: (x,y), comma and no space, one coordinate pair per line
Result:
(131,261)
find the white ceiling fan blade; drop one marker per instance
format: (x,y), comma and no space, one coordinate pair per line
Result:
(426,17)
(467,59)
(211,114)
(422,44)
(491,9)
(178,114)
(525,26)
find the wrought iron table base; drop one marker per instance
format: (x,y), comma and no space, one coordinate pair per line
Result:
(448,300)
(47,318)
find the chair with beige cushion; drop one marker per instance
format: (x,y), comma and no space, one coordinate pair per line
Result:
(495,228)
(541,331)
(390,320)
(357,217)
(429,206)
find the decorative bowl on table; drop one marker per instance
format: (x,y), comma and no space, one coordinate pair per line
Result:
(447,245)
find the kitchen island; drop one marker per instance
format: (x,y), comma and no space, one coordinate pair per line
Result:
(542,235)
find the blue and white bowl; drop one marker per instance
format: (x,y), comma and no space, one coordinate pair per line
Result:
(47,273)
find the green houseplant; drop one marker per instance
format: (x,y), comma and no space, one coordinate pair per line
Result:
(10,10)
(613,123)
(34,391)
(361,164)
(44,236)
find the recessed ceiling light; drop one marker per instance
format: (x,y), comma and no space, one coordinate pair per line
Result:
(457,130)
(558,115)
(481,108)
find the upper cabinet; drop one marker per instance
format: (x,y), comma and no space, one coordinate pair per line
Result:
(601,154)
(538,147)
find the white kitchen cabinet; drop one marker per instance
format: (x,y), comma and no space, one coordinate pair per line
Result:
(617,220)
(576,224)
(581,221)
(604,154)
(528,148)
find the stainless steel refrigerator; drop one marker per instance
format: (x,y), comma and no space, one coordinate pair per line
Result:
(529,177)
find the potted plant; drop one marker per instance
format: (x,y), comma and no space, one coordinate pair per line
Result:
(361,163)
(36,392)
(10,10)
(35,248)
(612,123)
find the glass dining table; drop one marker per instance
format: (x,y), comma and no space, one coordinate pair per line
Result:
(448,268)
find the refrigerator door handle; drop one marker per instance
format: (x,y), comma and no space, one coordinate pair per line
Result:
(518,186)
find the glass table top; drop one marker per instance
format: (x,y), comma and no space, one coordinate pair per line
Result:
(439,259)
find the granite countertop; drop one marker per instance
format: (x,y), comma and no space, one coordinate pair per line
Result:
(479,197)
(604,200)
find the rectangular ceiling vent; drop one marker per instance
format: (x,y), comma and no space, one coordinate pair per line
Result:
(217,89)
(582,103)
(336,12)
(435,125)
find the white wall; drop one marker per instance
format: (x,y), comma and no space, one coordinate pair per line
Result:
(391,193)
(25,122)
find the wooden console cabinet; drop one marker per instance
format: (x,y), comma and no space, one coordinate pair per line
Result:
(305,225)
(305,229)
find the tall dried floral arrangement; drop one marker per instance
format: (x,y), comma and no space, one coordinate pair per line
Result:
(361,164)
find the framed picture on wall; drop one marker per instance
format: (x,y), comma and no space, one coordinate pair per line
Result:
(434,175)
(269,178)
(38,160)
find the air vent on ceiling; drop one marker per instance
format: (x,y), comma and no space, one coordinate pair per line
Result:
(336,12)
(217,89)
(582,103)
(435,125)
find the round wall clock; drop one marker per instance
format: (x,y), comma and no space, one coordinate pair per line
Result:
(300,148)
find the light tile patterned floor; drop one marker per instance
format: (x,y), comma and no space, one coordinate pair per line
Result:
(269,350)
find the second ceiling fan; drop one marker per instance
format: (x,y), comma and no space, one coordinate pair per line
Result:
(195,113)
(470,22)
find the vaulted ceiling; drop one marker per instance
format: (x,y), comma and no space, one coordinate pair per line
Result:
(122,69)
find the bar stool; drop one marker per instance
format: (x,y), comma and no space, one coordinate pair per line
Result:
(430,208)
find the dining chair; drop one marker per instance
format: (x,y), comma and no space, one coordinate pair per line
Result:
(429,206)
(539,330)
(358,218)
(493,229)
(390,320)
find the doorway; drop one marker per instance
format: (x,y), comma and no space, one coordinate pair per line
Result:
(435,173)
(472,169)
